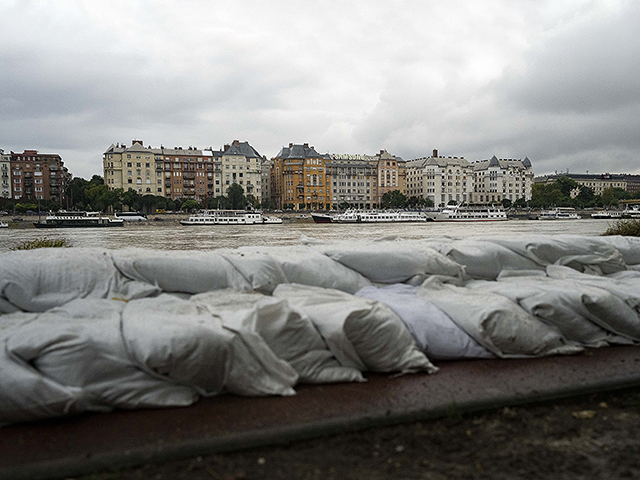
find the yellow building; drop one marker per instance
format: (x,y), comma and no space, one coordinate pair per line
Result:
(300,180)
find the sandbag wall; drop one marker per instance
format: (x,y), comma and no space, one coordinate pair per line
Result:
(93,330)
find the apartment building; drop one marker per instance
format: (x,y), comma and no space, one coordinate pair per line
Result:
(134,168)
(391,174)
(5,174)
(496,180)
(266,181)
(241,164)
(37,176)
(455,179)
(300,178)
(440,179)
(183,172)
(189,173)
(354,180)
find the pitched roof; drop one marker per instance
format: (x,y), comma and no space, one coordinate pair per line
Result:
(300,151)
(243,149)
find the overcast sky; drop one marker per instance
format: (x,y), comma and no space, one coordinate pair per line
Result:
(557,81)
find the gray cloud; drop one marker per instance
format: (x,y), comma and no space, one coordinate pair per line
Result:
(556,81)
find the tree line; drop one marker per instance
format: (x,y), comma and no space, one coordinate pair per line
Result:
(566,192)
(94,195)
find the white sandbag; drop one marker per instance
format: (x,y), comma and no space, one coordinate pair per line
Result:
(36,280)
(80,345)
(585,254)
(435,333)
(559,307)
(261,271)
(183,272)
(288,332)
(597,304)
(26,394)
(307,266)
(394,262)
(179,340)
(496,322)
(629,293)
(361,333)
(486,260)
(629,247)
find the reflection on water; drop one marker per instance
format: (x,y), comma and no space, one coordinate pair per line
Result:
(170,235)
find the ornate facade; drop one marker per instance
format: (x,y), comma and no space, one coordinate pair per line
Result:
(455,179)
(300,178)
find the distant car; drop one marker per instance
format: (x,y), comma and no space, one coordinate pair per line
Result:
(158,219)
(3,213)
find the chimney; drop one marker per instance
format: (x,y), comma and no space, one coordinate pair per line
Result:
(435,153)
(290,145)
(226,147)
(236,142)
(305,145)
(139,142)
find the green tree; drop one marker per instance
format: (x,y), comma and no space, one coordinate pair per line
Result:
(132,199)
(394,199)
(587,198)
(547,195)
(520,203)
(23,207)
(612,196)
(236,197)
(189,204)
(566,185)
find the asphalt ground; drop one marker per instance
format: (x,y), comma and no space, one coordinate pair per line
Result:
(82,444)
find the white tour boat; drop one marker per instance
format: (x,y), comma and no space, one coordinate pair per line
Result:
(78,220)
(230,217)
(607,215)
(560,213)
(631,211)
(471,213)
(132,216)
(378,216)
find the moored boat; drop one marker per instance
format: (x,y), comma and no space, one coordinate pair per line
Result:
(379,216)
(471,213)
(3,225)
(131,216)
(607,215)
(78,220)
(321,218)
(230,217)
(631,211)
(560,213)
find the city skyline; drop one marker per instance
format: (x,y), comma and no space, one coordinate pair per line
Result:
(553,81)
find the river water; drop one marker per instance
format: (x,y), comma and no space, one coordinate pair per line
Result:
(170,235)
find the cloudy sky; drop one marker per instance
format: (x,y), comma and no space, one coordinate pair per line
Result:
(557,81)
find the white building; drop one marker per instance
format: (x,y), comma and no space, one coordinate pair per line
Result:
(455,179)
(440,179)
(5,174)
